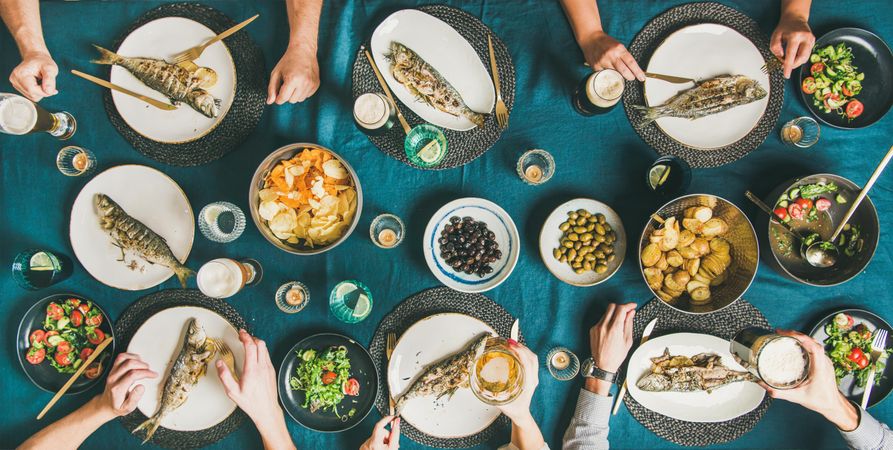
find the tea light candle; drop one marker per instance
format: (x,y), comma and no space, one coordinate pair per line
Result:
(294,296)
(533,173)
(387,237)
(560,360)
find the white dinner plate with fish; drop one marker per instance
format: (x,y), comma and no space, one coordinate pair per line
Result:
(162,39)
(150,197)
(550,238)
(505,234)
(705,51)
(159,340)
(444,49)
(426,342)
(717,405)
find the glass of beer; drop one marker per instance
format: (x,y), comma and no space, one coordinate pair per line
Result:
(19,116)
(374,114)
(497,377)
(598,93)
(780,361)
(225,277)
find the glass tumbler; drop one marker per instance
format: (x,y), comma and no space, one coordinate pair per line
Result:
(801,132)
(535,167)
(75,161)
(221,222)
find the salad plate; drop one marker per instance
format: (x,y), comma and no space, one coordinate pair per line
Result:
(340,407)
(848,383)
(46,374)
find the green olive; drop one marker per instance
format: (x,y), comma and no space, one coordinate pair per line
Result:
(599,254)
(592,219)
(599,238)
(571,254)
(556,253)
(579,270)
(564,226)
(586,237)
(587,265)
(590,227)
(584,250)
(562,258)
(579,230)
(578,245)
(582,212)
(601,268)
(609,250)
(568,244)
(600,217)
(574,237)
(589,257)
(611,258)
(600,229)
(573,215)
(608,228)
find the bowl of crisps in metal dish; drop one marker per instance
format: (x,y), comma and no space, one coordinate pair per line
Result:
(305,199)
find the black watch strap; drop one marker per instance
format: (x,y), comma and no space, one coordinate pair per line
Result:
(590,370)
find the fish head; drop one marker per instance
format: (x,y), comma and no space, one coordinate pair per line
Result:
(751,89)
(399,53)
(107,209)
(195,334)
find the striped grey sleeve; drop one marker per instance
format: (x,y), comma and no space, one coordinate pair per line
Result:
(869,435)
(588,429)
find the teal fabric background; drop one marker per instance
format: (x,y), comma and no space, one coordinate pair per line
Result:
(599,157)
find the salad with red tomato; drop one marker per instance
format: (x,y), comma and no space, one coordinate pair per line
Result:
(805,202)
(834,81)
(324,376)
(69,335)
(849,347)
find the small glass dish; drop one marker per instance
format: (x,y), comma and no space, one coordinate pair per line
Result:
(350,301)
(75,161)
(386,231)
(292,297)
(425,145)
(221,222)
(535,167)
(563,364)
(801,132)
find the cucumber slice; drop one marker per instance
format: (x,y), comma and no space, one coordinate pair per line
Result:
(54,340)
(814,58)
(840,199)
(62,323)
(783,204)
(794,193)
(860,77)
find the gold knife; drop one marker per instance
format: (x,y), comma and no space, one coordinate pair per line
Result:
(645,335)
(384,86)
(115,87)
(392,342)
(670,78)
(102,345)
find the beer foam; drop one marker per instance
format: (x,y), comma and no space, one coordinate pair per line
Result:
(370,110)
(17,115)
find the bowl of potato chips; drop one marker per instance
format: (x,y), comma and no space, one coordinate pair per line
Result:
(305,199)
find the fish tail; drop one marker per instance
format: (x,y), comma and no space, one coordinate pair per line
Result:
(150,426)
(476,118)
(649,114)
(106,56)
(183,273)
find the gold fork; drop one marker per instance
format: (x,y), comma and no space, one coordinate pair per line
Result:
(773,64)
(502,113)
(193,53)
(392,342)
(227,356)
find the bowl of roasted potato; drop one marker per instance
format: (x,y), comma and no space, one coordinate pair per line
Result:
(698,253)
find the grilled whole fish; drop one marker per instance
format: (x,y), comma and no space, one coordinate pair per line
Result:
(446,376)
(190,365)
(702,372)
(130,234)
(175,82)
(426,83)
(710,96)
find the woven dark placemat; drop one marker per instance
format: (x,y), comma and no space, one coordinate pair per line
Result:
(426,303)
(463,146)
(653,34)
(724,324)
(243,115)
(133,317)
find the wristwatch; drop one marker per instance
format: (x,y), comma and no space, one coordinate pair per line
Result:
(590,370)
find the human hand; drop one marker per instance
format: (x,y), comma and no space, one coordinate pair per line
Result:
(604,52)
(296,77)
(35,76)
(792,42)
(255,392)
(383,439)
(118,399)
(819,392)
(612,337)
(518,410)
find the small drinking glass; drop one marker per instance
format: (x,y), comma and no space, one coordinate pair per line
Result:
(386,231)
(425,145)
(292,297)
(536,167)
(563,364)
(801,132)
(221,222)
(37,269)
(350,301)
(75,161)
(669,176)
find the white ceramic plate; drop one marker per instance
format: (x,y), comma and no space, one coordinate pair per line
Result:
(162,39)
(497,220)
(705,51)
(550,236)
(148,196)
(726,403)
(427,341)
(447,51)
(158,342)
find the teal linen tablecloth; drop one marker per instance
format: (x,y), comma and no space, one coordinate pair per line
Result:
(598,157)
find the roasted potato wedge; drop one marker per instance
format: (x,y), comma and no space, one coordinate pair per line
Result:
(651,254)
(674,259)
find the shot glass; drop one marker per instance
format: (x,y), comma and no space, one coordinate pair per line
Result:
(801,132)
(221,222)
(386,231)
(563,364)
(536,167)
(350,301)
(75,161)
(292,297)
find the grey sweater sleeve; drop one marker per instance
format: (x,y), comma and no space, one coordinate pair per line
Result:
(869,435)
(588,429)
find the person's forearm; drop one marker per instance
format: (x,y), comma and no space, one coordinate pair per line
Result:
(842,414)
(596,386)
(583,16)
(795,9)
(70,431)
(526,434)
(303,23)
(22,18)
(274,433)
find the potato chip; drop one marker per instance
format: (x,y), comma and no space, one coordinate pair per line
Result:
(333,168)
(284,222)
(268,210)
(268,195)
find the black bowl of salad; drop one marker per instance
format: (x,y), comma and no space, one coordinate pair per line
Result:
(328,382)
(57,335)
(814,205)
(847,336)
(848,81)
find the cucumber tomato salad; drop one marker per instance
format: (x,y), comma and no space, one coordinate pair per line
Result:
(69,334)
(324,376)
(835,81)
(849,347)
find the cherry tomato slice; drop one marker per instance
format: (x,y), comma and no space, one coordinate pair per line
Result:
(93,371)
(77,318)
(822,204)
(74,302)
(804,203)
(85,353)
(808,85)
(831,97)
(329,377)
(63,359)
(84,308)
(781,213)
(54,311)
(350,387)
(817,68)
(36,355)
(854,109)
(46,337)
(96,337)
(795,210)
(94,321)
(846,91)
(63,347)
(37,337)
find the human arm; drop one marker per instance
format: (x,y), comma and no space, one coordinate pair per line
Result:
(116,400)
(35,76)
(381,438)
(296,76)
(600,50)
(610,340)
(792,39)
(256,393)
(526,434)
(819,393)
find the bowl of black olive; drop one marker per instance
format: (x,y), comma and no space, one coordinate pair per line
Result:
(471,245)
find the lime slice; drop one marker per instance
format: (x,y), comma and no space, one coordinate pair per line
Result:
(657,176)
(42,261)
(430,152)
(364,306)
(344,289)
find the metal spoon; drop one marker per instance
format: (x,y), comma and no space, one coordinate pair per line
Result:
(766,209)
(821,254)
